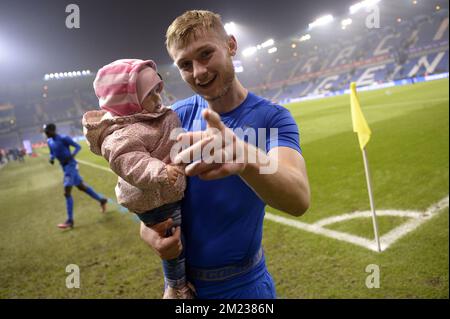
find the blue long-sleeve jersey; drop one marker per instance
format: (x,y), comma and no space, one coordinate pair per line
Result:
(60,148)
(223,218)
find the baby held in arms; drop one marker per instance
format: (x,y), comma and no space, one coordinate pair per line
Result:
(132,132)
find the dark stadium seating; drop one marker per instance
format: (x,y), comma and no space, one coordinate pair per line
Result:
(414,47)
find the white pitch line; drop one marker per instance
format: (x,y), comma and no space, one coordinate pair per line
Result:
(95,165)
(417,219)
(438,206)
(400,231)
(353,239)
(366,214)
(412,102)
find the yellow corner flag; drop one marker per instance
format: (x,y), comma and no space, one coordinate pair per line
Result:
(360,125)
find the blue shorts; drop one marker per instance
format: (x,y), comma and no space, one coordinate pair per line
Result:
(256,284)
(71,175)
(261,288)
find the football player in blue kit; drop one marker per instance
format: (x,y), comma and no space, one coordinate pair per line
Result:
(224,204)
(59,146)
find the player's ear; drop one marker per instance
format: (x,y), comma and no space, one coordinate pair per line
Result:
(232,45)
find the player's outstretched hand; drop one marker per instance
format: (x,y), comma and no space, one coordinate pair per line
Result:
(227,157)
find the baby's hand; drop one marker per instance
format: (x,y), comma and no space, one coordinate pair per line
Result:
(173,172)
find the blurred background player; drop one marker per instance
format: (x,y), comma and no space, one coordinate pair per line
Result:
(59,146)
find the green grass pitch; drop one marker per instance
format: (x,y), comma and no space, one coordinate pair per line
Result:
(408,155)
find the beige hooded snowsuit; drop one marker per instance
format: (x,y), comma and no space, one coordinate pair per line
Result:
(137,148)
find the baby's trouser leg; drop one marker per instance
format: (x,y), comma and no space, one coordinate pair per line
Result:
(174,269)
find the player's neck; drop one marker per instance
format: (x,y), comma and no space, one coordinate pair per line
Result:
(231,100)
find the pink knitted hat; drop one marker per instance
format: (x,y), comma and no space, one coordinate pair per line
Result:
(122,85)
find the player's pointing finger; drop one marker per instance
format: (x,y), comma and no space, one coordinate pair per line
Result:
(213,119)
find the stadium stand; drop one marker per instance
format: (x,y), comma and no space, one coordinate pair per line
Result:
(415,46)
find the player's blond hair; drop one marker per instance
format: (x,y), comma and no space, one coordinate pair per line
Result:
(192,23)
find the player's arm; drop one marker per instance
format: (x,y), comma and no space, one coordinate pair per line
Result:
(52,155)
(71,142)
(279,177)
(287,187)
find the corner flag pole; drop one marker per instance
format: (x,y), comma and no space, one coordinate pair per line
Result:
(372,205)
(361,127)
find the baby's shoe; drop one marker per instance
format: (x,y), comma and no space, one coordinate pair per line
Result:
(185,292)
(170,293)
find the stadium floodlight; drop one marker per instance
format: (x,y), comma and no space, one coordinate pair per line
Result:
(68,74)
(272,50)
(230,27)
(249,51)
(238,68)
(345,23)
(363,4)
(4,50)
(305,37)
(324,20)
(267,43)
(253,49)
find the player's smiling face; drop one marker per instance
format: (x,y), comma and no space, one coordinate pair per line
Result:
(205,63)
